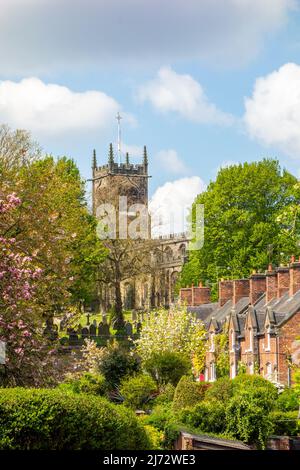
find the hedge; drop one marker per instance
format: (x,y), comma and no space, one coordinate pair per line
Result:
(188,393)
(46,419)
(285,423)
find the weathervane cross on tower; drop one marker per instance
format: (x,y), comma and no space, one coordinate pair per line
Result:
(118,118)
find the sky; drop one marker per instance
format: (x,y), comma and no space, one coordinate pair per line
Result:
(202,83)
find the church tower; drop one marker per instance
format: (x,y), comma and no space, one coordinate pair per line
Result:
(116,179)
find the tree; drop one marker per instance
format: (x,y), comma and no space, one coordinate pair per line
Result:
(173,330)
(52,223)
(246,225)
(28,356)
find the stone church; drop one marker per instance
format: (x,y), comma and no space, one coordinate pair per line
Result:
(114,179)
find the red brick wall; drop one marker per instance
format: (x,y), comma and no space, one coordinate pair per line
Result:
(193,296)
(225,291)
(288,334)
(241,288)
(271,285)
(186,295)
(257,287)
(294,278)
(283,280)
(201,295)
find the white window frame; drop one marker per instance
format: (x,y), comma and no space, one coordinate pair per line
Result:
(251,368)
(268,348)
(233,370)
(212,372)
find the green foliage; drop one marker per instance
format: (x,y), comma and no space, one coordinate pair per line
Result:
(39,419)
(160,416)
(205,416)
(92,384)
(155,436)
(171,434)
(221,341)
(245,227)
(166,395)
(221,389)
(114,362)
(286,423)
(167,367)
(188,393)
(173,330)
(246,420)
(260,390)
(288,400)
(137,391)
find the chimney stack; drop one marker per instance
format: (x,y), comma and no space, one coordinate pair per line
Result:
(257,287)
(294,276)
(271,284)
(201,295)
(225,291)
(241,288)
(283,281)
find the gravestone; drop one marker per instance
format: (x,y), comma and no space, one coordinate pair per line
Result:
(73,338)
(88,319)
(78,329)
(95,322)
(106,330)
(138,327)
(61,325)
(133,315)
(93,330)
(100,329)
(84,333)
(104,319)
(128,328)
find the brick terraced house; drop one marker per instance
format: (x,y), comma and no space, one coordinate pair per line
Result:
(261,316)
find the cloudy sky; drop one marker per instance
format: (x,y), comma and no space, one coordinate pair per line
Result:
(203,83)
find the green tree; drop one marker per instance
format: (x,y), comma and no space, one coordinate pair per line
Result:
(248,222)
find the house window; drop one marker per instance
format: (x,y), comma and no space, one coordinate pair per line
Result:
(269,370)
(233,370)
(212,372)
(250,340)
(251,368)
(206,374)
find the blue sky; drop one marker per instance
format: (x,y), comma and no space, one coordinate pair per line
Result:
(178,71)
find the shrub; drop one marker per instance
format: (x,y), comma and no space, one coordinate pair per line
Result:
(159,417)
(137,391)
(288,400)
(92,384)
(166,395)
(206,416)
(32,419)
(221,389)
(246,420)
(167,367)
(116,363)
(188,393)
(263,392)
(155,436)
(171,434)
(285,423)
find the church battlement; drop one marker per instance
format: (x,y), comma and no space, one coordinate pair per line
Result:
(122,168)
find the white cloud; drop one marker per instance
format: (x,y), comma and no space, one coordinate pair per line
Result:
(133,150)
(49,109)
(172,92)
(170,161)
(170,204)
(273,112)
(43,35)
